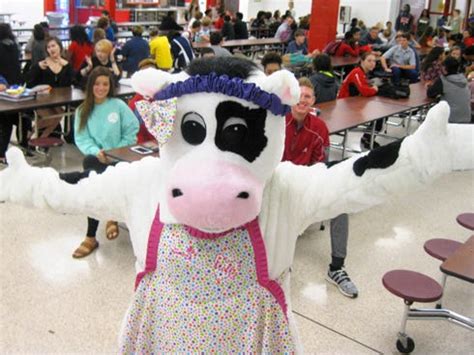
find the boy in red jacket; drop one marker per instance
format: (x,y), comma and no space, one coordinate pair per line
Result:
(307,143)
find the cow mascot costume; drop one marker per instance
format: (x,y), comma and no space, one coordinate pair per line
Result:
(214,220)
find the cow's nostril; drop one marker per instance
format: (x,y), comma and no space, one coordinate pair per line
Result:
(243,195)
(176,192)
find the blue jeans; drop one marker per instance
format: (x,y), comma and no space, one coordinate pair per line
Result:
(397,74)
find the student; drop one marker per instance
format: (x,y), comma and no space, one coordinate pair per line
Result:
(112,23)
(298,45)
(219,23)
(453,88)
(181,50)
(80,46)
(402,60)
(36,48)
(54,71)
(456,53)
(432,66)
(355,84)
(207,52)
(307,143)
(350,45)
(271,62)
(456,22)
(240,27)
(102,122)
(205,32)
(160,49)
(104,24)
(193,34)
(284,31)
(404,20)
(197,17)
(373,39)
(10,56)
(134,51)
(169,22)
(104,55)
(426,39)
(216,44)
(227,30)
(441,40)
(423,23)
(468,37)
(387,34)
(324,80)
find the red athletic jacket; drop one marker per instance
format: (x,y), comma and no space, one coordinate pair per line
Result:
(345,48)
(358,80)
(305,146)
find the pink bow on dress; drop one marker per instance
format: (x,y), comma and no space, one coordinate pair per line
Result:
(159,117)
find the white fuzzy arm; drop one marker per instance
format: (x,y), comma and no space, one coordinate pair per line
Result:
(102,196)
(318,193)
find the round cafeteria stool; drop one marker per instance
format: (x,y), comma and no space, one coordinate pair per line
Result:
(412,287)
(466,220)
(441,248)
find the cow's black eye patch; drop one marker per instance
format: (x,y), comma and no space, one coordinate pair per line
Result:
(193,128)
(240,130)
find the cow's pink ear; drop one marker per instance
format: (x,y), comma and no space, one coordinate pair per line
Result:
(149,81)
(283,84)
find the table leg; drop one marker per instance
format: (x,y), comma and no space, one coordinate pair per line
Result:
(372,135)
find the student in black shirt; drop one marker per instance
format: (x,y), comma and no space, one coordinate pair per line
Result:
(240,27)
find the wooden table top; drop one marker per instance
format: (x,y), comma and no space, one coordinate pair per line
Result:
(416,99)
(466,220)
(128,155)
(243,42)
(338,62)
(57,97)
(342,114)
(460,264)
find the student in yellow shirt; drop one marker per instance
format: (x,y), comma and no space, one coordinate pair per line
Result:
(160,50)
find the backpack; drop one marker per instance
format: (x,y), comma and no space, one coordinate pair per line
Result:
(388,89)
(332,47)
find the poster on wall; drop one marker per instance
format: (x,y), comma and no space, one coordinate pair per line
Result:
(344,15)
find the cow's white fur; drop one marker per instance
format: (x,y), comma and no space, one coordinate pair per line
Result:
(294,196)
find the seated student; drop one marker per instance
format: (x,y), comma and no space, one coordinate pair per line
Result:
(456,52)
(102,122)
(219,23)
(134,51)
(356,83)
(324,80)
(240,27)
(299,45)
(426,39)
(54,71)
(169,23)
(271,62)
(350,45)
(227,30)
(372,38)
(197,17)
(205,32)
(307,143)
(99,34)
(207,52)
(285,31)
(402,60)
(160,49)
(216,45)
(468,37)
(441,40)
(453,88)
(143,135)
(80,46)
(193,34)
(181,50)
(467,61)
(432,66)
(104,55)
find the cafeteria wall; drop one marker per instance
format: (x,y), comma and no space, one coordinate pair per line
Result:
(29,11)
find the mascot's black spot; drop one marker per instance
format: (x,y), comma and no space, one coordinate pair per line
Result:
(176,193)
(380,158)
(247,138)
(233,67)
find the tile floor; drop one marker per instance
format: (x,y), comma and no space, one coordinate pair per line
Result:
(52,303)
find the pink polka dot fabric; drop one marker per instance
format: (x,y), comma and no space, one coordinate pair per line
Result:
(204,296)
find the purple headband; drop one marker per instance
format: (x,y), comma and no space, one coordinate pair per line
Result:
(227,86)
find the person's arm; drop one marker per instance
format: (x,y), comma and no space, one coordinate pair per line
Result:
(33,77)
(436,89)
(354,52)
(129,125)
(383,59)
(84,140)
(115,68)
(363,86)
(368,179)
(86,67)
